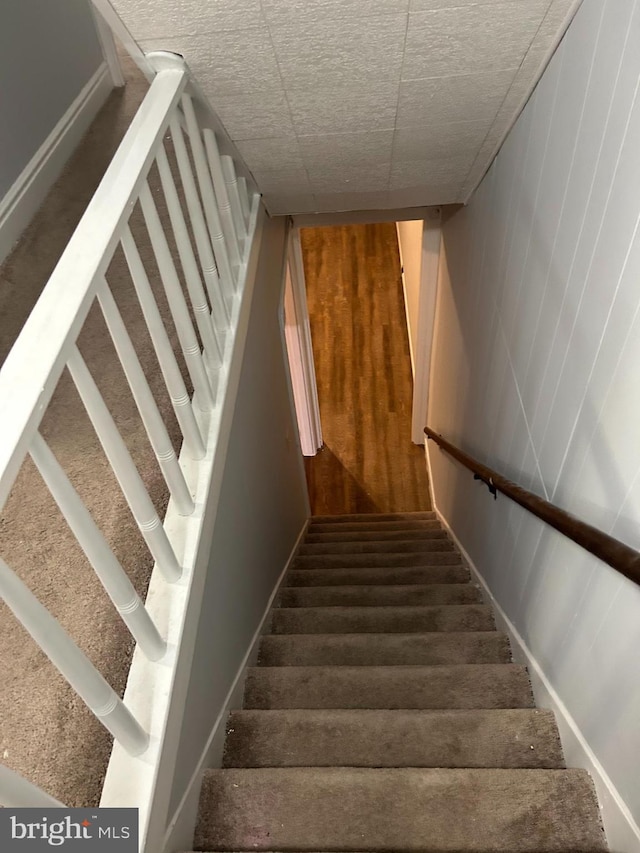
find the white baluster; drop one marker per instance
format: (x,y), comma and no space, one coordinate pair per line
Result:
(188,261)
(126,472)
(244,199)
(74,665)
(177,302)
(229,172)
(16,792)
(222,196)
(164,352)
(145,401)
(109,571)
(221,313)
(209,200)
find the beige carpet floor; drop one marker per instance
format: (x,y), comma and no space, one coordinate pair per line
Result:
(46,732)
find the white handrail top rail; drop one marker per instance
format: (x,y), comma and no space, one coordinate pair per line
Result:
(33,367)
(161,59)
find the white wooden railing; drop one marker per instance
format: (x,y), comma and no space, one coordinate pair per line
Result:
(221,212)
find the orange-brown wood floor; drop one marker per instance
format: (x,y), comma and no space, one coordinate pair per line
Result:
(361,350)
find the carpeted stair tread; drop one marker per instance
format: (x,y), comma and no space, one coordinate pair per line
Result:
(429,649)
(375,536)
(381,620)
(436,557)
(373,517)
(399,809)
(381,738)
(404,546)
(384,714)
(369,596)
(400,575)
(438,687)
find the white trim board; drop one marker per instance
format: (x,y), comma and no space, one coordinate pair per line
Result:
(109,49)
(425,319)
(27,193)
(406,303)
(429,270)
(105,10)
(181,827)
(299,351)
(623,833)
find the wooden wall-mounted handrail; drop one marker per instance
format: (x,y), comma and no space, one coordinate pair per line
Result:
(617,554)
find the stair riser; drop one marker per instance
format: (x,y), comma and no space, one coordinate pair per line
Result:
(409,809)
(369,561)
(438,687)
(364,527)
(376,536)
(339,738)
(384,714)
(384,649)
(369,517)
(359,576)
(371,596)
(381,620)
(407,546)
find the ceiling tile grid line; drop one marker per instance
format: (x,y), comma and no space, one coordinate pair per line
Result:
(335,101)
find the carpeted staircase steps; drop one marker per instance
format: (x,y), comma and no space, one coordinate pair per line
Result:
(384,714)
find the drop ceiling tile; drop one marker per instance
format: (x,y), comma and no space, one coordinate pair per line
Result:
(445,140)
(344,109)
(351,178)
(257,116)
(219,63)
(336,202)
(146,19)
(340,52)
(280,152)
(283,11)
(550,32)
(229,71)
(279,204)
(555,23)
(473,39)
(442,100)
(346,148)
(195,50)
(282,181)
(425,195)
(212,16)
(422,172)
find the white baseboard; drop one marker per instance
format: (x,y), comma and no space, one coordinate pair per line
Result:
(623,833)
(25,196)
(179,835)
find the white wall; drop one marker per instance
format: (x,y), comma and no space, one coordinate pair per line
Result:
(536,372)
(52,83)
(48,51)
(410,244)
(263,507)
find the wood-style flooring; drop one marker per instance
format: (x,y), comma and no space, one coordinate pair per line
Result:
(361,351)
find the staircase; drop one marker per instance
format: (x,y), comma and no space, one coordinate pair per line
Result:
(385,713)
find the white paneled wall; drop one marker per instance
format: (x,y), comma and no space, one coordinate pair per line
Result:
(536,372)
